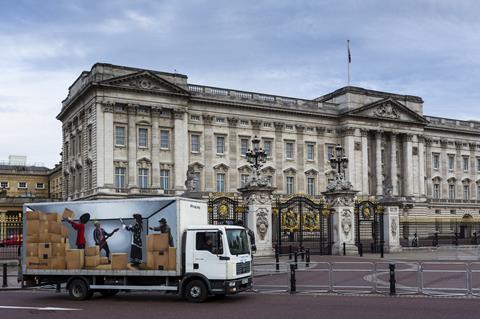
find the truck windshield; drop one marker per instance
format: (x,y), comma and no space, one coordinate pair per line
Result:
(238,241)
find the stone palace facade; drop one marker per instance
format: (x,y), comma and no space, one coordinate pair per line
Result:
(134,132)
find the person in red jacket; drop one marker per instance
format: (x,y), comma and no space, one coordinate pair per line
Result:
(80,228)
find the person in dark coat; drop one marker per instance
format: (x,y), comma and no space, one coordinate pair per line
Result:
(100,236)
(136,246)
(164,229)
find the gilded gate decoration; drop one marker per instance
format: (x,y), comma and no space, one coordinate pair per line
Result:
(225,209)
(301,221)
(369,225)
(10,234)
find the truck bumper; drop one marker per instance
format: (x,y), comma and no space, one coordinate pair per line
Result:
(238,285)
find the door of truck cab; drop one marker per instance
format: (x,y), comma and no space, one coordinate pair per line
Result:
(208,255)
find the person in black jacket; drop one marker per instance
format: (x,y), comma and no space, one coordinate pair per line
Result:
(136,246)
(100,236)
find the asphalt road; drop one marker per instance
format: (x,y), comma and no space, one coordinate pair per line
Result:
(247,305)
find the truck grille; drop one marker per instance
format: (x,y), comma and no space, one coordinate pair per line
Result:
(243,268)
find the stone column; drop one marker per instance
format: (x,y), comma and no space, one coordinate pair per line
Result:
(421,166)
(443,168)
(100,151)
(342,206)
(259,201)
(300,156)
(393,163)
(155,149)
(473,170)
(279,156)
(233,156)
(322,163)
(365,186)
(108,145)
(391,228)
(428,165)
(208,152)
(349,142)
(132,147)
(408,165)
(180,155)
(378,163)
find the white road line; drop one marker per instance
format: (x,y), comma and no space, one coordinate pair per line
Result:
(39,308)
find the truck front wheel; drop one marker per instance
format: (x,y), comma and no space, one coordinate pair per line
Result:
(196,291)
(79,290)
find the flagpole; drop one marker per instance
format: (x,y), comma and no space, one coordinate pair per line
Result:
(349,61)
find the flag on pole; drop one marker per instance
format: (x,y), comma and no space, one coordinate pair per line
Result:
(349,55)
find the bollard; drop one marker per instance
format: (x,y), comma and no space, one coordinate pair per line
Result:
(58,288)
(372,248)
(5,274)
(290,252)
(302,254)
(344,249)
(296,260)
(307,257)
(381,250)
(360,249)
(293,282)
(393,291)
(277,261)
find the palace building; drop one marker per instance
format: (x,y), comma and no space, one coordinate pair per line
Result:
(134,132)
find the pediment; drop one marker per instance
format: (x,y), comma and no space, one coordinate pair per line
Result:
(146,81)
(387,109)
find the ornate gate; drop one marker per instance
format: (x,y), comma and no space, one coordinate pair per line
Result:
(225,209)
(302,222)
(369,226)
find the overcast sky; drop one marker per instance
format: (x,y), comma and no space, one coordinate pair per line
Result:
(293,48)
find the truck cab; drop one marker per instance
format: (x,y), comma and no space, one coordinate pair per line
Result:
(218,255)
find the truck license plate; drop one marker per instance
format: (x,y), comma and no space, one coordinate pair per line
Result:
(245,281)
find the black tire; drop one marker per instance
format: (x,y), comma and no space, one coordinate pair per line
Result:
(109,292)
(195,291)
(78,290)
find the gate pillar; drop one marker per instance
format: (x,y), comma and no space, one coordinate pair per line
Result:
(391,227)
(342,206)
(259,202)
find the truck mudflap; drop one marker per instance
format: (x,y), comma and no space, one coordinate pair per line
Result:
(231,287)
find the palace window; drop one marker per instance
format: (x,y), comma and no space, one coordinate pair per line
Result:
(243,180)
(289,150)
(165,179)
(40,186)
(465,163)
(89,132)
(478,164)
(466,192)
(267,147)
(436,161)
(143,137)
(22,185)
(243,122)
(451,191)
(220,120)
(4,185)
(220,182)
(267,124)
(436,191)
(478,192)
(119,135)
(195,143)
(330,150)
(243,146)
(451,162)
(220,144)
(195,117)
(164,139)
(120,177)
(310,152)
(143,178)
(290,184)
(311,186)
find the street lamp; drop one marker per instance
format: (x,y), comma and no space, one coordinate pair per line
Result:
(339,161)
(256,156)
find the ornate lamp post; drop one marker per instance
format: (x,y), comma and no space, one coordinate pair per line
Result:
(339,161)
(256,156)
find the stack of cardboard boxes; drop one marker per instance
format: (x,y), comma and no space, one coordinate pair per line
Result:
(159,255)
(47,241)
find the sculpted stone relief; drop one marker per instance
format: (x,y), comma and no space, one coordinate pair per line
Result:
(394,227)
(262,222)
(387,110)
(347,223)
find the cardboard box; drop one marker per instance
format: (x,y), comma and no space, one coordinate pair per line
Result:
(104,267)
(43,226)
(32,249)
(172,258)
(75,259)
(36,263)
(92,261)
(92,251)
(55,238)
(55,228)
(64,231)
(33,215)
(33,239)
(32,226)
(157,242)
(119,261)
(104,261)
(43,237)
(57,263)
(51,217)
(67,213)
(44,250)
(150,260)
(58,250)
(160,260)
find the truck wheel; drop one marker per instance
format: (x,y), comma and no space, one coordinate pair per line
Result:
(196,291)
(78,290)
(109,292)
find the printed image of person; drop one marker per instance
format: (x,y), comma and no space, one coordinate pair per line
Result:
(100,236)
(251,234)
(164,229)
(80,228)
(136,246)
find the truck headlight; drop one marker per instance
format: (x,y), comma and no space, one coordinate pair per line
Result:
(231,284)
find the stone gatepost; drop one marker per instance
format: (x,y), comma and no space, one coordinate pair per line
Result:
(258,197)
(391,226)
(342,205)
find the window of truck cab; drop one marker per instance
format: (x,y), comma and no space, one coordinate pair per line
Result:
(238,241)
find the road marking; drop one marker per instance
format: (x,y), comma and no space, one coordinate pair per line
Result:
(39,308)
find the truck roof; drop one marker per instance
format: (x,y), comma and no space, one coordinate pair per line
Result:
(213,227)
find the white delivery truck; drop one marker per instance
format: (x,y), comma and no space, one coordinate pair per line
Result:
(197,260)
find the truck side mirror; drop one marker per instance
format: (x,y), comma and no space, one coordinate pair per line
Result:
(219,245)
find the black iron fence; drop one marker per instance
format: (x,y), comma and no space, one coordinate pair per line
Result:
(439,231)
(11,235)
